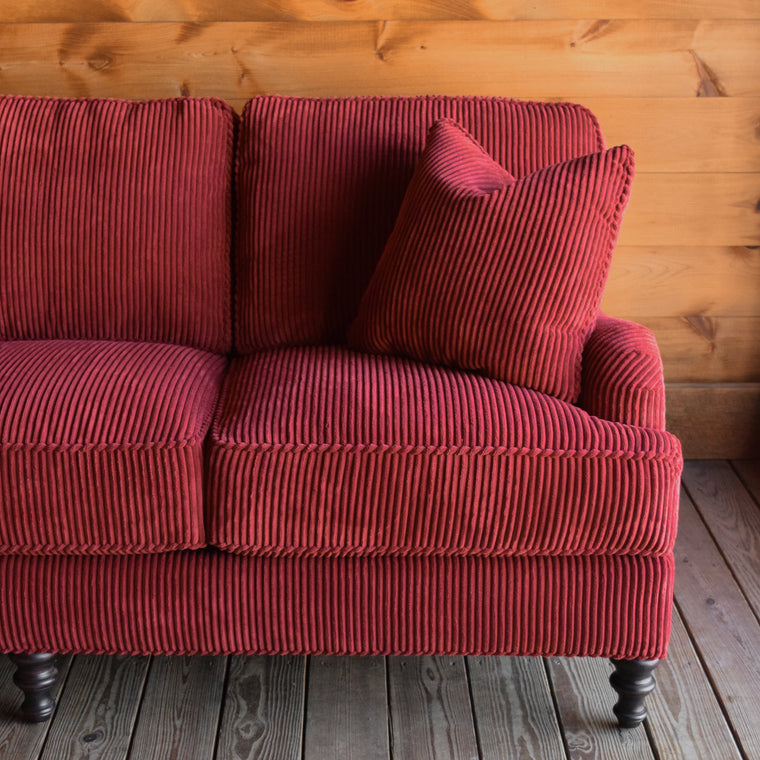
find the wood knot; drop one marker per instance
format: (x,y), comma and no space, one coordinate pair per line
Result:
(189,30)
(705,328)
(597,29)
(99,61)
(710,85)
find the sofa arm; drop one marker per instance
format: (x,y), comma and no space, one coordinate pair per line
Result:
(622,378)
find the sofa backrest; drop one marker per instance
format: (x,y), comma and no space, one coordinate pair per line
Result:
(115,220)
(319,184)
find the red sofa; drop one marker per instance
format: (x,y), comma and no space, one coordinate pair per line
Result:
(267,385)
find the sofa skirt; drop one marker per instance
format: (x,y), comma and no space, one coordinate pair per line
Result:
(209,602)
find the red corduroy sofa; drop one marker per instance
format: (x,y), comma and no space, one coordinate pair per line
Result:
(330,377)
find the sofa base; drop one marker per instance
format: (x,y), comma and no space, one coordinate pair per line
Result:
(209,602)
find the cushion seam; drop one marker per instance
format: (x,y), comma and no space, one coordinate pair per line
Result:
(439,450)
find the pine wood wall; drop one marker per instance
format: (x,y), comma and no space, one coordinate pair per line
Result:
(678,80)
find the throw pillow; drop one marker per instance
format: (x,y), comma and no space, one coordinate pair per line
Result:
(494,274)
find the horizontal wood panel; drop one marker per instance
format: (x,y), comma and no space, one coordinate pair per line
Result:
(684,134)
(708,349)
(356,10)
(693,209)
(530,59)
(663,281)
(714,421)
(675,134)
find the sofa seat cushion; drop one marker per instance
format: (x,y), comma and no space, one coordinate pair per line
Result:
(101,445)
(325,451)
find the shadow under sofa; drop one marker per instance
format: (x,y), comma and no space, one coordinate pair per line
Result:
(196,457)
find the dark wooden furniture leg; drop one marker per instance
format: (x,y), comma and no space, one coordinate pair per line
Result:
(36,676)
(632,680)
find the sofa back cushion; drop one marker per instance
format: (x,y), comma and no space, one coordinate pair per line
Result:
(115,220)
(319,185)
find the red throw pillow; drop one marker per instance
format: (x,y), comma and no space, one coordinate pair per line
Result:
(489,273)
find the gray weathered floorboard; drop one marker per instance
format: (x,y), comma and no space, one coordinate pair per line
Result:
(687,722)
(734,520)
(584,701)
(97,709)
(431,714)
(749,472)
(263,712)
(347,709)
(513,708)
(720,622)
(179,716)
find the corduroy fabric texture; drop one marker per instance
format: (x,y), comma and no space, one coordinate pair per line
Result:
(492,274)
(101,445)
(211,603)
(319,185)
(324,451)
(623,374)
(115,220)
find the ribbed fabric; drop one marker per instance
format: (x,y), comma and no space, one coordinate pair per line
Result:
(115,220)
(323,451)
(320,182)
(492,274)
(211,603)
(622,374)
(101,445)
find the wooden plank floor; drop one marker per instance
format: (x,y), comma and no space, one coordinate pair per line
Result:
(317,708)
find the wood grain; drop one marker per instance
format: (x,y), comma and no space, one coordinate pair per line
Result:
(683,135)
(686,722)
(430,709)
(180,710)
(584,700)
(714,420)
(734,520)
(717,135)
(529,59)
(97,710)
(513,709)
(697,349)
(347,709)
(683,281)
(719,620)
(263,711)
(749,472)
(18,739)
(693,209)
(344,10)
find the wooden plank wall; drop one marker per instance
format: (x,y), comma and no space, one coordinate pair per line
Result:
(679,81)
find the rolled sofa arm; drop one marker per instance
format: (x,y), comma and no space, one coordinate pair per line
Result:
(622,378)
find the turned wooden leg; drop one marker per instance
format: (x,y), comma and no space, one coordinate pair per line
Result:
(632,680)
(35,675)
